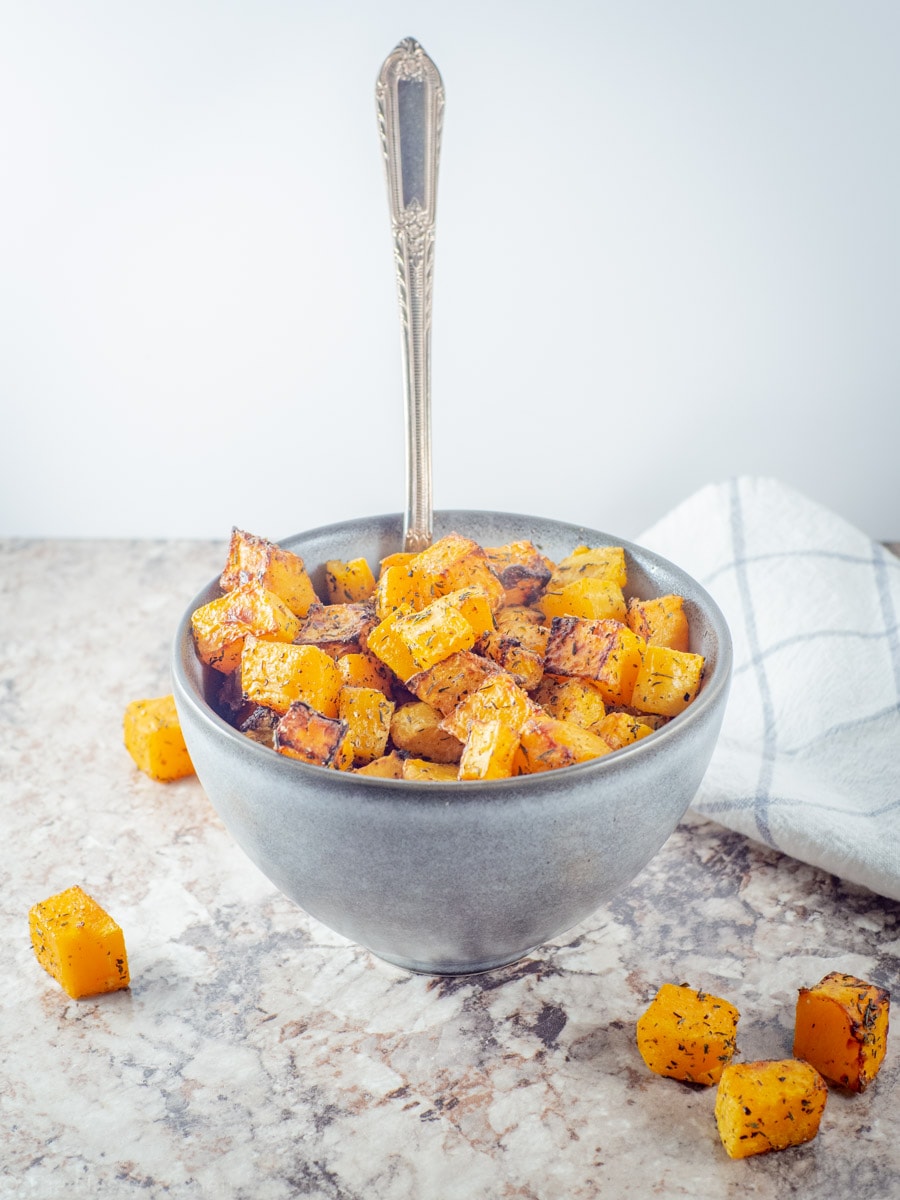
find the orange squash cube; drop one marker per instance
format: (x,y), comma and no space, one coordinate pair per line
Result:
(154,739)
(498,698)
(423,771)
(275,675)
(367,713)
(526,667)
(79,944)
(589,597)
(253,559)
(489,751)
(349,582)
(586,562)
(413,642)
(667,681)
(337,629)
(522,570)
(768,1105)
(398,590)
(660,622)
(219,628)
(389,766)
(416,728)
(311,737)
(621,729)
(687,1034)
(569,698)
(445,684)
(841,1028)
(547,744)
(605,651)
(455,562)
(365,670)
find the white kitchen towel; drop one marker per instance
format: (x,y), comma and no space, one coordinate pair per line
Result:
(809,756)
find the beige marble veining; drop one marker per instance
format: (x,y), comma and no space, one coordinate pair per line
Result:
(258,1056)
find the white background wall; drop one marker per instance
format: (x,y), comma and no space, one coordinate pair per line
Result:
(668,251)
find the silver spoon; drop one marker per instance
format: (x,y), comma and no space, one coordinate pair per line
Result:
(410,99)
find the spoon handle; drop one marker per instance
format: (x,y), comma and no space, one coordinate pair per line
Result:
(410,99)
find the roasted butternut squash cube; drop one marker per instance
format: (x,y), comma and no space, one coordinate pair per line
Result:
(349,582)
(313,738)
(413,642)
(547,744)
(259,725)
(569,698)
(592,598)
(79,944)
(661,621)
(219,628)
(522,570)
(621,729)
(338,629)
(416,728)
(253,559)
(275,675)
(666,681)
(489,751)
(447,682)
(473,603)
(768,1105)
(398,590)
(400,558)
(606,651)
(455,562)
(841,1028)
(498,698)
(526,667)
(389,766)
(154,739)
(365,670)
(423,771)
(525,625)
(367,713)
(687,1034)
(586,562)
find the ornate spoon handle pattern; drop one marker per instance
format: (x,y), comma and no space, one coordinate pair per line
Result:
(410,100)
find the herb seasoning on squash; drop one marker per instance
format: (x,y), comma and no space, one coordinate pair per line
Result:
(79,944)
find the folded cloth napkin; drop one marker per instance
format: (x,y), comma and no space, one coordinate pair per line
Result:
(809,756)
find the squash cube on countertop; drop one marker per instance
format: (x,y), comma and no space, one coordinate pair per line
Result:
(687,1034)
(154,739)
(768,1105)
(79,944)
(841,1028)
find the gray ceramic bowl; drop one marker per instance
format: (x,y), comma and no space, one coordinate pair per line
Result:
(460,877)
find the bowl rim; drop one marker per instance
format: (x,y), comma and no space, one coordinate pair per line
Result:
(462,789)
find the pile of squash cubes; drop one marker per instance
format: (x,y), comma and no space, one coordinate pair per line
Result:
(459,662)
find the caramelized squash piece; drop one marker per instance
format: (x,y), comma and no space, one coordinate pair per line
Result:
(79,944)
(841,1028)
(445,684)
(154,739)
(253,559)
(522,570)
(313,738)
(219,628)
(660,622)
(606,651)
(546,744)
(768,1105)
(416,728)
(687,1034)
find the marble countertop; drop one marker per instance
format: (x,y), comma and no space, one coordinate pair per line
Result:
(258,1056)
